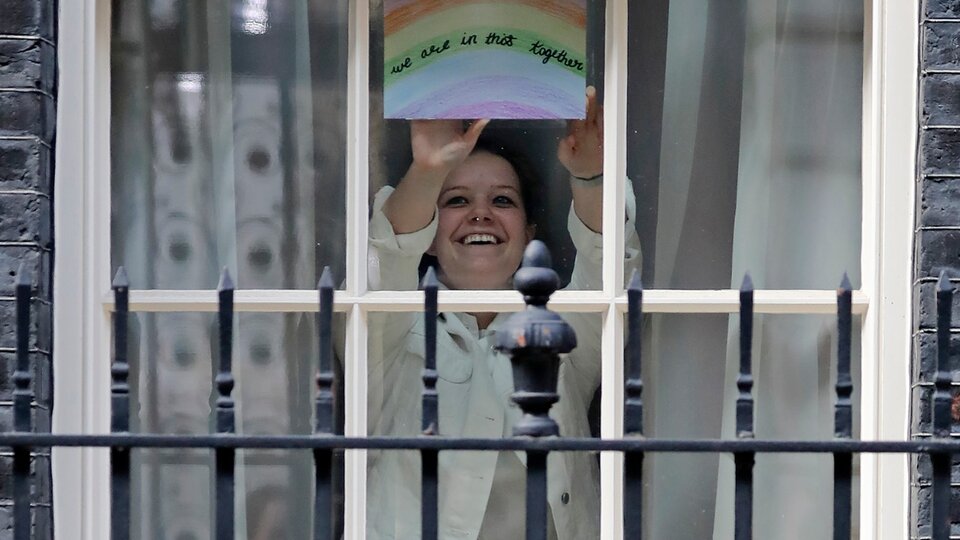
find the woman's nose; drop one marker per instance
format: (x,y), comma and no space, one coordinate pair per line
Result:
(480,213)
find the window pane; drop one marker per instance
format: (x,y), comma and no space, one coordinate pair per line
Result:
(479,491)
(690,366)
(227,145)
(744,130)
(530,147)
(173,364)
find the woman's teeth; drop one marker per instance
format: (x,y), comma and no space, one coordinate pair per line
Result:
(472,239)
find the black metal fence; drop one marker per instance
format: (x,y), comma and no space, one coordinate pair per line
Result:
(534,339)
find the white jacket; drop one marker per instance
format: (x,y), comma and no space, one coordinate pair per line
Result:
(474,386)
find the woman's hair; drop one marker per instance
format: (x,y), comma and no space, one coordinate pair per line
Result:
(527,174)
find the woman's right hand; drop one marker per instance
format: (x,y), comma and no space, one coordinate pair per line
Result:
(439,146)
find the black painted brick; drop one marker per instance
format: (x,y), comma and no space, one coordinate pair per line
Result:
(941,99)
(39,489)
(24,164)
(28,17)
(27,113)
(35,262)
(941,9)
(40,416)
(42,523)
(940,151)
(922,411)
(941,46)
(925,304)
(924,469)
(926,346)
(40,316)
(937,250)
(25,217)
(939,202)
(27,63)
(40,368)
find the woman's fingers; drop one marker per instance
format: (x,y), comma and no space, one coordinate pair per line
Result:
(592,107)
(473,132)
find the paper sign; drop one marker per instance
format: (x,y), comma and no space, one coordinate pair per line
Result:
(519,59)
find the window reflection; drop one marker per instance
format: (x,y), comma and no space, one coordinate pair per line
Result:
(227,144)
(744,136)
(173,364)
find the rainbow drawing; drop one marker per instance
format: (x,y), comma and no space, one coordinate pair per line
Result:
(517,59)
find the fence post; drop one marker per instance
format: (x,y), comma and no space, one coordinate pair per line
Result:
(534,339)
(22,403)
(224,457)
(120,411)
(843,415)
(743,461)
(942,401)
(324,520)
(633,411)
(430,421)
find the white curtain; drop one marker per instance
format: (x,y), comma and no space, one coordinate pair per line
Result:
(790,215)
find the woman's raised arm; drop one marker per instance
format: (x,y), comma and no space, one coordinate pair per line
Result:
(581,152)
(439,146)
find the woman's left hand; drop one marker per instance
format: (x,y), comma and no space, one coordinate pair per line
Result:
(581,151)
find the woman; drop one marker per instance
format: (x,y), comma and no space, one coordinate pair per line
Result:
(465,206)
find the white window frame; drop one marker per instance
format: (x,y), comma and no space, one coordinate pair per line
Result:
(82,301)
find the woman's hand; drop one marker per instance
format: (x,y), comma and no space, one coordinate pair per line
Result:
(581,151)
(439,146)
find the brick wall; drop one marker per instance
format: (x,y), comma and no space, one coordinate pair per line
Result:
(27,126)
(938,225)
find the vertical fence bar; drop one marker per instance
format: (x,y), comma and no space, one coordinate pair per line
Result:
(534,339)
(941,412)
(120,411)
(843,414)
(323,521)
(22,402)
(224,457)
(633,411)
(743,461)
(431,425)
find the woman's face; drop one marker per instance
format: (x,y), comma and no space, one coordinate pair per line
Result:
(482,229)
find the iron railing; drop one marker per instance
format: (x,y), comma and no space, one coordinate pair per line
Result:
(534,338)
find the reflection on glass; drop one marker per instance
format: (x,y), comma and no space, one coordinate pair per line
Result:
(227,141)
(530,147)
(744,129)
(690,367)
(172,369)
(480,492)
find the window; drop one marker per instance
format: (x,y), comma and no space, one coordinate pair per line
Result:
(86,245)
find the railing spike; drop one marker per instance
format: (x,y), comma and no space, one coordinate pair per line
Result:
(120,279)
(636,284)
(747,284)
(326,279)
(226,282)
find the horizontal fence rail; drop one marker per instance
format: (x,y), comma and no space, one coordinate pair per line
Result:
(534,339)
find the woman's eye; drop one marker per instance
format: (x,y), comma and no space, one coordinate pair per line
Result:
(456,201)
(503,200)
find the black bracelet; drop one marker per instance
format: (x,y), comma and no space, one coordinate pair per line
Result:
(587,181)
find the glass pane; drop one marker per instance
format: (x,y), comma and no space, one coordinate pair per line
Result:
(227,141)
(529,149)
(744,130)
(480,492)
(172,369)
(690,365)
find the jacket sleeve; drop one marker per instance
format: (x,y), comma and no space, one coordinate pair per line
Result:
(584,363)
(392,264)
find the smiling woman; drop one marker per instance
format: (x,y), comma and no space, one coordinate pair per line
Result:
(467,206)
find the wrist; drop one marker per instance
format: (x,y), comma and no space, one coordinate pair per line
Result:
(587,181)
